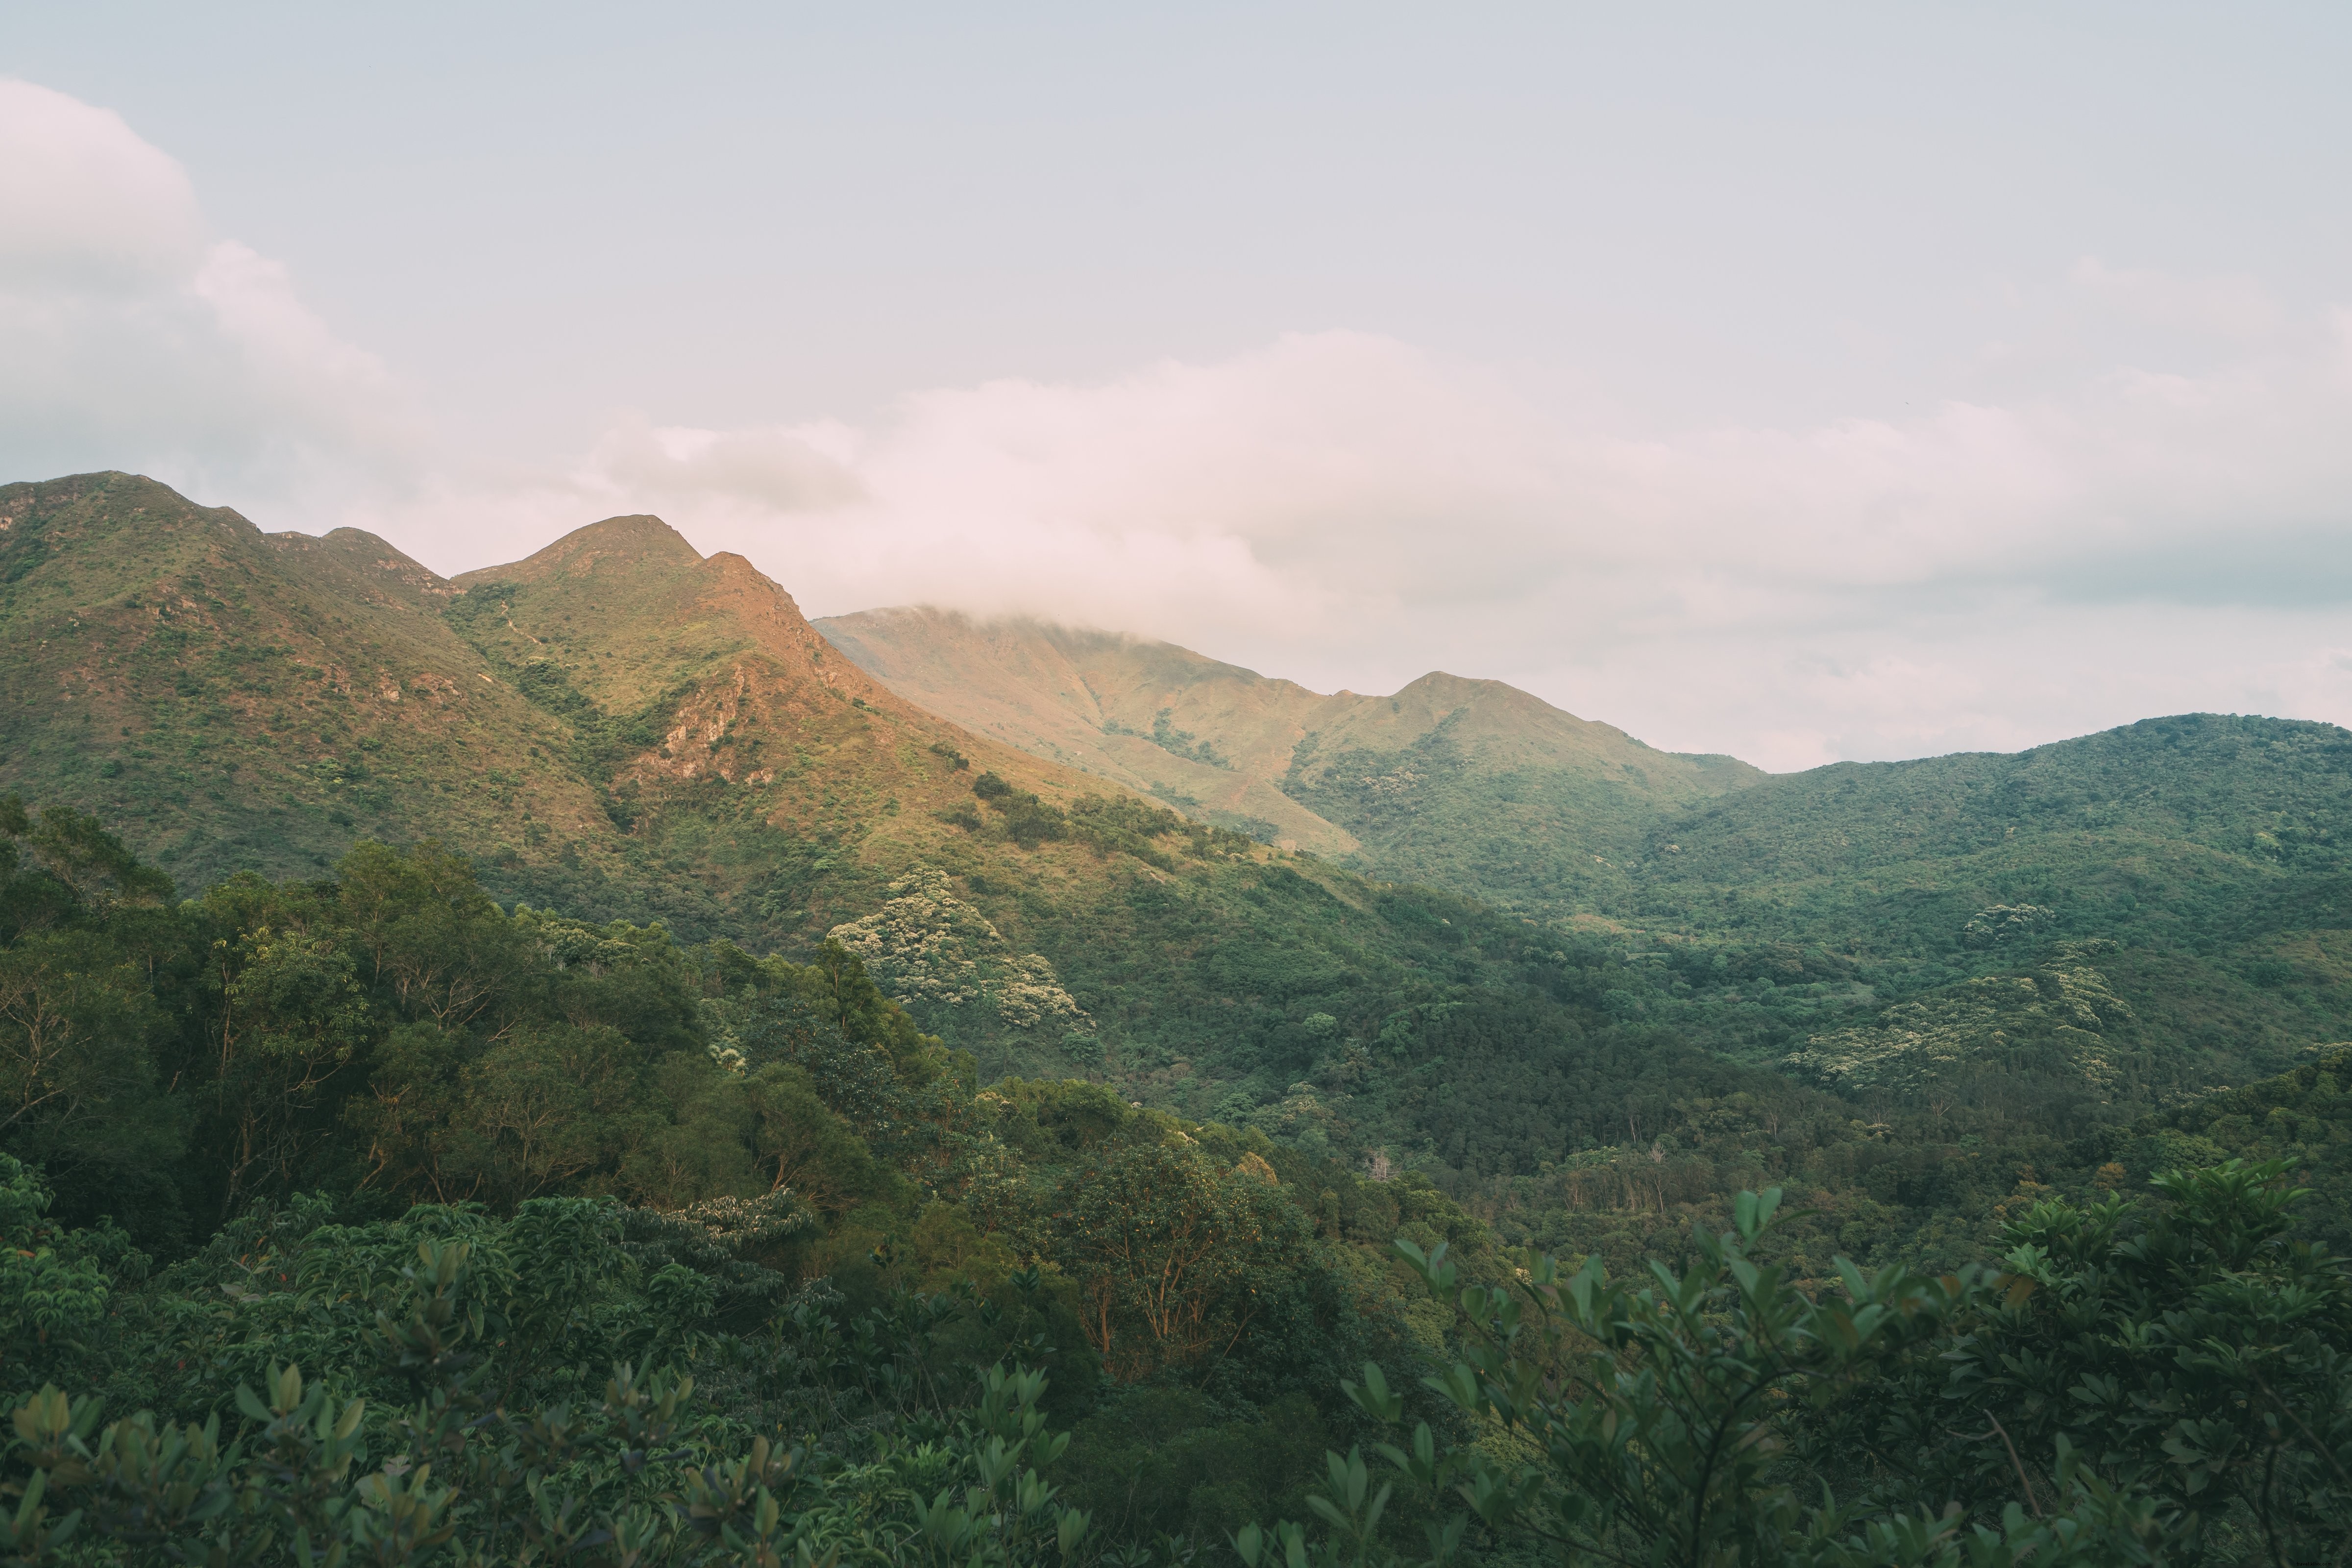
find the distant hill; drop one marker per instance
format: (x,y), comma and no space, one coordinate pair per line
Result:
(1471,785)
(2170,902)
(2193,831)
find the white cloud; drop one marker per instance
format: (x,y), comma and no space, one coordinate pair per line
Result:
(90,206)
(134,336)
(1339,508)
(1319,479)
(1345,473)
(1336,507)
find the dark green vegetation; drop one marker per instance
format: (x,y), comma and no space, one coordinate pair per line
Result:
(241,1127)
(716,1012)
(1987,964)
(588,1244)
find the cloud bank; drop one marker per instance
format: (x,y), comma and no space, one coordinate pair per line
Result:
(1341,508)
(2126,537)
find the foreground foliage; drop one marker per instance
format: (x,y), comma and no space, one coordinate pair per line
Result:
(418,1229)
(2166,1388)
(2201,1414)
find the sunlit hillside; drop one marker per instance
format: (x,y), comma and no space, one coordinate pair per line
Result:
(1470,785)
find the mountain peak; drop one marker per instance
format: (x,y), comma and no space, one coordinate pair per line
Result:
(635,541)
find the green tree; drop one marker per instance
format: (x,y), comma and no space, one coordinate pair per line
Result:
(1174,1257)
(55,1289)
(287,1017)
(77,1025)
(2198,1354)
(427,933)
(1654,1425)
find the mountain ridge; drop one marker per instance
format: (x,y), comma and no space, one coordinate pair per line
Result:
(619,727)
(1343,774)
(134,606)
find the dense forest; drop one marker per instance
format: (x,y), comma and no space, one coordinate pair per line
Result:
(365,1216)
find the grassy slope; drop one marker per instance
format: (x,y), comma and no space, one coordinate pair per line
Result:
(1469,785)
(238,701)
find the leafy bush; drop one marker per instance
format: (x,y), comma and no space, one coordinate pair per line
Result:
(2181,1387)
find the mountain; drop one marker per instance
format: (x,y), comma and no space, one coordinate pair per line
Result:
(1919,990)
(252,701)
(2142,912)
(1467,784)
(620,728)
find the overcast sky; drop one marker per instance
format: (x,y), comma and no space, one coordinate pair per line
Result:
(1804,382)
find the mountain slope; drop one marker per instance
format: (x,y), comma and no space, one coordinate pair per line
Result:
(241,700)
(236,699)
(620,728)
(1468,784)
(2199,868)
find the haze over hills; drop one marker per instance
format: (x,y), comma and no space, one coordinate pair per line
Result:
(1469,785)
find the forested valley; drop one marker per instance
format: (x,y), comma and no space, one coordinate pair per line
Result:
(558,1066)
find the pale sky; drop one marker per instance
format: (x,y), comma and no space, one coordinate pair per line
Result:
(1805,381)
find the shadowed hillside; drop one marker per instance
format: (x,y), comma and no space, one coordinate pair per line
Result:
(2168,904)
(1468,784)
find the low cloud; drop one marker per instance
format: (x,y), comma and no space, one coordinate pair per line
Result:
(1344,509)
(1348,475)
(2235,307)
(133,335)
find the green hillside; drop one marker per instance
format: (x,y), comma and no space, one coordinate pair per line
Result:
(2032,947)
(2105,923)
(247,701)
(578,975)
(1466,784)
(2191,867)
(618,727)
